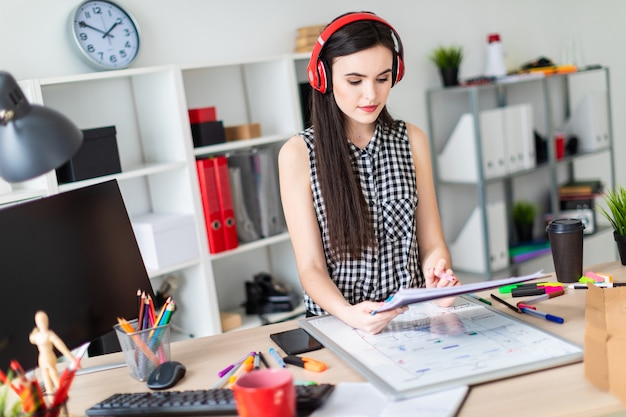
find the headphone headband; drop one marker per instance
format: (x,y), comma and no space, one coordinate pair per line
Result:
(316,70)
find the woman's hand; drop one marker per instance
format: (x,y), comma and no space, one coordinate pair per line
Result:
(360,316)
(440,276)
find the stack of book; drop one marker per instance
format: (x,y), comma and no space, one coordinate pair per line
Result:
(307,36)
(577,200)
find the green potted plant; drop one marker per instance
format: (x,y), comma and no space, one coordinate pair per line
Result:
(448,60)
(524,213)
(616,215)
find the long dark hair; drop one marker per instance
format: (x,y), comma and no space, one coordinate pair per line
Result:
(348,219)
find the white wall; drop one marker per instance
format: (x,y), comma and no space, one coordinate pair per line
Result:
(35,41)
(35,37)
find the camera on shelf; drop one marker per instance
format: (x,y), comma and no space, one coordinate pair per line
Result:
(266,294)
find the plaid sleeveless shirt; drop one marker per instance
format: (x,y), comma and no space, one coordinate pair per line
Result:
(387,177)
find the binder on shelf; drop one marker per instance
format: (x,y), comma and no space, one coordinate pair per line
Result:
(222,183)
(267,188)
(493,142)
(458,162)
(589,122)
(211,205)
(507,143)
(520,140)
(468,250)
(246,232)
(242,161)
(452,161)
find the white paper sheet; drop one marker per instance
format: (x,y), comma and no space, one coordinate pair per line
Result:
(362,399)
(407,296)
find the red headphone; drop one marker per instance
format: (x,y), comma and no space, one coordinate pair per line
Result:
(317,71)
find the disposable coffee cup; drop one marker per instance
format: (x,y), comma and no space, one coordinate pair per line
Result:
(566,243)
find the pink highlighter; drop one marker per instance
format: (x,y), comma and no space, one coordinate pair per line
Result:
(447,277)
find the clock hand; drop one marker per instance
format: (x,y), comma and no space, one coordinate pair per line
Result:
(107,33)
(82,24)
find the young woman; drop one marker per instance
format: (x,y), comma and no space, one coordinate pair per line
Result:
(350,184)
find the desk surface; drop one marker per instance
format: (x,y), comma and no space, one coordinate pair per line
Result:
(561,391)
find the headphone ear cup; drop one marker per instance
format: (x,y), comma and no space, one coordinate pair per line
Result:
(324,81)
(399,69)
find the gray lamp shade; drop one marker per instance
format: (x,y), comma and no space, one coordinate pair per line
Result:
(33,139)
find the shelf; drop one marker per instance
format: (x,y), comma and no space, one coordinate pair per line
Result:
(144,170)
(240,144)
(247,247)
(470,132)
(149,109)
(253,320)
(152,273)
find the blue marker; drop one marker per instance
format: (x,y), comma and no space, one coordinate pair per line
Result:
(386,301)
(277,358)
(549,317)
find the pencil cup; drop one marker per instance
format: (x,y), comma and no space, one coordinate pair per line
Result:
(144,350)
(59,410)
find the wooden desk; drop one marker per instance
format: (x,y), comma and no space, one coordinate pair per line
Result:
(561,391)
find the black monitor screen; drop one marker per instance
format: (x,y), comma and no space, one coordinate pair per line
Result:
(73,255)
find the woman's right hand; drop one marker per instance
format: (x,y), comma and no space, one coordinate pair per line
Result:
(360,316)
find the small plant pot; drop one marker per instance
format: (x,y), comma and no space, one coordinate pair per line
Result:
(620,240)
(524,232)
(450,76)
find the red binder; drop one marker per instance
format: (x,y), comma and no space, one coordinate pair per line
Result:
(211,205)
(222,181)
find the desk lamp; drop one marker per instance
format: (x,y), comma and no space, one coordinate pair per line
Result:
(33,139)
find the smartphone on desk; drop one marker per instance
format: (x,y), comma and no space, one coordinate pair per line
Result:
(296,341)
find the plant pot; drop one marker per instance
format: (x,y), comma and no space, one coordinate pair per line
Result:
(449,76)
(620,240)
(524,232)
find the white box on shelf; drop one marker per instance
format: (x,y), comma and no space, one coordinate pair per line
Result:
(165,239)
(507,144)
(589,122)
(520,140)
(468,250)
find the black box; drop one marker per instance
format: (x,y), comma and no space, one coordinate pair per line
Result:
(97,156)
(208,133)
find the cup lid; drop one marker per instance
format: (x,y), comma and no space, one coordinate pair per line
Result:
(565,226)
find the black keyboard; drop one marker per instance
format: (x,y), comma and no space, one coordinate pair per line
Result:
(209,402)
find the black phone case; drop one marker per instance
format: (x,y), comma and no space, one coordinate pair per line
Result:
(295,341)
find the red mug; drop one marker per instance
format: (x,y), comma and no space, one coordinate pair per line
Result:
(266,393)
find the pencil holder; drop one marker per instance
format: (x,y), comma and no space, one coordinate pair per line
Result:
(59,410)
(144,350)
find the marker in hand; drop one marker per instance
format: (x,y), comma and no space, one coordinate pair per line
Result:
(446,276)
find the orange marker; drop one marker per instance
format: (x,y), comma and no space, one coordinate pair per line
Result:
(306,363)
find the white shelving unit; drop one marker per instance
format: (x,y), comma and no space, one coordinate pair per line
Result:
(148,107)
(483,147)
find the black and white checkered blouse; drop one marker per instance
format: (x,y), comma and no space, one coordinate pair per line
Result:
(387,176)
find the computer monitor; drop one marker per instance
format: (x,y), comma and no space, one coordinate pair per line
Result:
(73,255)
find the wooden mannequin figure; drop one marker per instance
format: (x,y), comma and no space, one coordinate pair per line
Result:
(46,340)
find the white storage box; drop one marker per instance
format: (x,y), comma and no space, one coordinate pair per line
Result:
(165,239)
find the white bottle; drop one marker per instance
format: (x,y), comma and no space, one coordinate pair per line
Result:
(494,64)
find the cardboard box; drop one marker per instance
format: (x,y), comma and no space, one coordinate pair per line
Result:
(165,239)
(98,155)
(230,321)
(605,339)
(252,130)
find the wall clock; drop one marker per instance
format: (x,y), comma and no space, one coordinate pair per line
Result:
(106,34)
